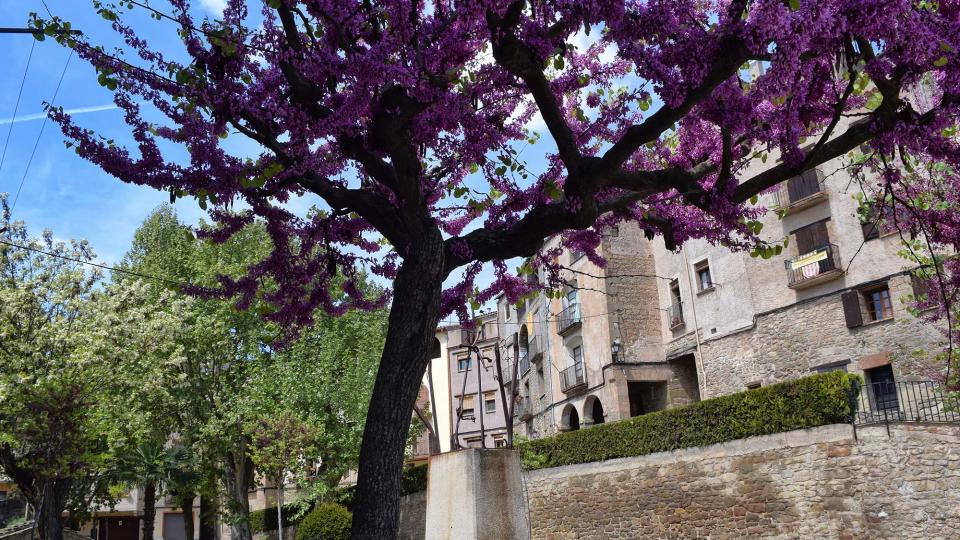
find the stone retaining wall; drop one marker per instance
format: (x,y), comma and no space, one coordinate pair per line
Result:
(817,483)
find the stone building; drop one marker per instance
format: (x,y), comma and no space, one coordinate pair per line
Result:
(656,328)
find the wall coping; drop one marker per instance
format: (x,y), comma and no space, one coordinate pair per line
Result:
(832,433)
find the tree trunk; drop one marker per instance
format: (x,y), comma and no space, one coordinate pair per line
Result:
(237,481)
(280,509)
(149,509)
(186,504)
(412,324)
(50,509)
(208,518)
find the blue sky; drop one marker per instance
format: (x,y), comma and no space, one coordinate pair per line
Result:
(61,191)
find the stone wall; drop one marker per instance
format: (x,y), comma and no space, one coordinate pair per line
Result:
(781,344)
(818,483)
(413,516)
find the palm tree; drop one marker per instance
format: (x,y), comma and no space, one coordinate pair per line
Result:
(154,468)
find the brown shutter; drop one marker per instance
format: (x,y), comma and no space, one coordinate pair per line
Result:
(920,287)
(851,309)
(870,230)
(804,238)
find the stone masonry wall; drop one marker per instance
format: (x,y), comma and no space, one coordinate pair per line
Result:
(790,343)
(818,483)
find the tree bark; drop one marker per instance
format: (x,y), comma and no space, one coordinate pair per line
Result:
(186,504)
(237,480)
(208,518)
(49,510)
(413,319)
(149,509)
(280,508)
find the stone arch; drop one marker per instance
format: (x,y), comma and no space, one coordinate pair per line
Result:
(593,412)
(570,418)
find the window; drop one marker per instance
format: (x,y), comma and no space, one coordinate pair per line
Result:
(879,307)
(832,366)
(704,279)
(499,442)
(676,305)
(489,402)
(577,354)
(466,409)
(463,363)
(675,292)
(473,442)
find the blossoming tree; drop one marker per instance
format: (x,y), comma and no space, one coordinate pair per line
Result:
(406,118)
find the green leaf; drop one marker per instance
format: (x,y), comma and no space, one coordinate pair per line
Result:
(873,103)
(940,62)
(754,199)
(558,63)
(794,5)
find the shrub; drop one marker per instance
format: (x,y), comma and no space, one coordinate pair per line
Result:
(328,521)
(266,520)
(812,401)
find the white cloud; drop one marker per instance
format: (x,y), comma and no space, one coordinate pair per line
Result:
(41,116)
(214,6)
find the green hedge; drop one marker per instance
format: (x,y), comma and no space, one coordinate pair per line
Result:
(328,521)
(414,480)
(817,400)
(266,519)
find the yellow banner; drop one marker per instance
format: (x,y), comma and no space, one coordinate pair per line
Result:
(806,260)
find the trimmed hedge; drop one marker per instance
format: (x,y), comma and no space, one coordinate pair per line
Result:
(414,480)
(328,521)
(266,520)
(812,401)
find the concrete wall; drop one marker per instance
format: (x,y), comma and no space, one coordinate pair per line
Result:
(818,483)
(413,516)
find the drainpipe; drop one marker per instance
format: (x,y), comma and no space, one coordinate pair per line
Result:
(701,370)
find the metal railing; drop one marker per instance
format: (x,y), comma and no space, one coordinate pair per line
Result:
(910,401)
(534,347)
(809,266)
(523,409)
(573,377)
(675,314)
(523,364)
(569,318)
(800,189)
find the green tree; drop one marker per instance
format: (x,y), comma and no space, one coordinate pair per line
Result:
(51,437)
(154,468)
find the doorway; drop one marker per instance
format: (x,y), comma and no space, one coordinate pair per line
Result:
(646,397)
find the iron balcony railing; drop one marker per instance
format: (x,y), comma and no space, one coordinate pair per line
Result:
(523,410)
(813,266)
(909,401)
(534,348)
(573,377)
(569,318)
(675,312)
(801,191)
(523,364)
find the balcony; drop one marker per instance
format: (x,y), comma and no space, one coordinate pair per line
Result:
(573,378)
(569,318)
(675,313)
(813,268)
(801,192)
(534,348)
(523,410)
(523,364)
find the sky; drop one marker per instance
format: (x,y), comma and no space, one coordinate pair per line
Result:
(62,192)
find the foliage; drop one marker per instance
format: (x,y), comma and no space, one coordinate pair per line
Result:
(51,398)
(804,403)
(422,155)
(414,480)
(328,521)
(265,520)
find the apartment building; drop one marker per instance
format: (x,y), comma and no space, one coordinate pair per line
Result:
(657,328)
(475,408)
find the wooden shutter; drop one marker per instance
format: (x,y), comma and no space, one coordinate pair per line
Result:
(870,230)
(851,309)
(920,287)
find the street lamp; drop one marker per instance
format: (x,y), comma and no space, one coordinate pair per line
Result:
(616,348)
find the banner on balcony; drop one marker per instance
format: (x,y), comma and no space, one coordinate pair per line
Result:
(814,257)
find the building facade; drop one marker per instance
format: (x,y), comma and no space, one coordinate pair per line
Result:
(657,328)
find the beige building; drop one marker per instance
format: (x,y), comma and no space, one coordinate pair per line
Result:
(657,328)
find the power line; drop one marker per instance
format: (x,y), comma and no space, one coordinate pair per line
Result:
(16,107)
(96,265)
(36,143)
